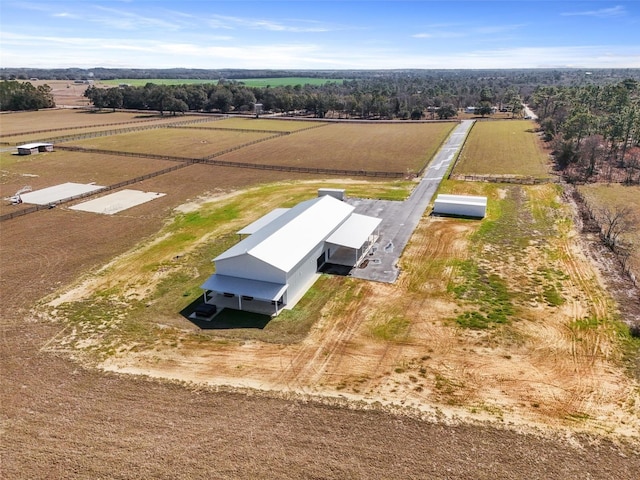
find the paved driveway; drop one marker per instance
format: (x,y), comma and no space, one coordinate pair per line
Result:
(399,219)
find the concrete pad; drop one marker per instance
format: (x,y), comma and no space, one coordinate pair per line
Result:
(117,201)
(57,193)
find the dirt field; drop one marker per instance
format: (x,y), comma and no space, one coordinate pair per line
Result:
(508,147)
(260,124)
(370,147)
(59,120)
(384,385)
(185,142)
(399,344)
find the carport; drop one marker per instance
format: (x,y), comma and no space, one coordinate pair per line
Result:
(356,235)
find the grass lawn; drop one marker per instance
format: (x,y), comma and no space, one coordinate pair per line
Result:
(509,147)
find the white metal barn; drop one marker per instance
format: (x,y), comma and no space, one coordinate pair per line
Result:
(32,148)
(460,205)
(279,260)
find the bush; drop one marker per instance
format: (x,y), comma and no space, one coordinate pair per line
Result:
(634,330)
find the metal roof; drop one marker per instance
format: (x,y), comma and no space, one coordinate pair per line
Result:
(287,239)
(355,231)
(34,145)
(244,286)
(262,221)
(462,199)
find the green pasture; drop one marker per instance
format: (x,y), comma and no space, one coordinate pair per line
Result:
(250,82)
(285,81)
(503,147)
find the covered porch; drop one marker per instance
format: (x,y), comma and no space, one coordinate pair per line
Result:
(255,296)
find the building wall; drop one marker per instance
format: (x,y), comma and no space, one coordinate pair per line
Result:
(300,276)
(466,210)
(246,266)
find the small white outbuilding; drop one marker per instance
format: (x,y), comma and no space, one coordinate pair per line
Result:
(460,205)
(32,148)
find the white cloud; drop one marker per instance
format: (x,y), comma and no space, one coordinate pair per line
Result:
(297,26)
(617,11)
(19,50)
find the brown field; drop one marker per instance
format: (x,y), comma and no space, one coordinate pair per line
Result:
(510,147)
(184,142)
(614,196)
(260,124)
(369,147)
(57,120)
(384,385)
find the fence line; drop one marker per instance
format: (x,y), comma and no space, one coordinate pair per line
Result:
(210,160)
(124,183)
(106,133)
(503,179)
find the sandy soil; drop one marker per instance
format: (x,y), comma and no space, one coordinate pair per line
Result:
(547,375)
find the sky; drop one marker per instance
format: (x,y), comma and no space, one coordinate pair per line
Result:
(319,34)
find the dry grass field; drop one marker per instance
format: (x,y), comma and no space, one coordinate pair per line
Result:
(361,381)
(614,196)
(400,147)
(243,123)
(182,142)
(509,147)
(12,124)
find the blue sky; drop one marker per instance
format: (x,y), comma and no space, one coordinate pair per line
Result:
(319,34)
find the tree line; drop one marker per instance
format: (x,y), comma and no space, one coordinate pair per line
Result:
(594,129)
(403,97)
(16,95)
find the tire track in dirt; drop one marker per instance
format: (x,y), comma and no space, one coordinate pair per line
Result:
(326,346)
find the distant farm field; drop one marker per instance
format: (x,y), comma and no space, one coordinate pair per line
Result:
(250,82)
(184,142)
(599,196)
(509,147)
(369,147)
(243,123)
(285,81)
(59,119)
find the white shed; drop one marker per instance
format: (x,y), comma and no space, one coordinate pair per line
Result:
(31,148)
(460,205)
(280,258)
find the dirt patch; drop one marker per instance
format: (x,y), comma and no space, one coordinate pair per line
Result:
(399,345)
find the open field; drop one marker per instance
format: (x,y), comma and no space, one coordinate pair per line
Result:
(243,123)
(251,82)
(503,148)
(497,347)
(181,142)
(457,335)
(369,147)
(48,169)
(614,196)
(65,119)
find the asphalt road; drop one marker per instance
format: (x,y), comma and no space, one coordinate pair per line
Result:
(399,219)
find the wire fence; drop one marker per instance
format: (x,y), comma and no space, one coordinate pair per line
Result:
(504,179)
(211,160)
(106,133)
